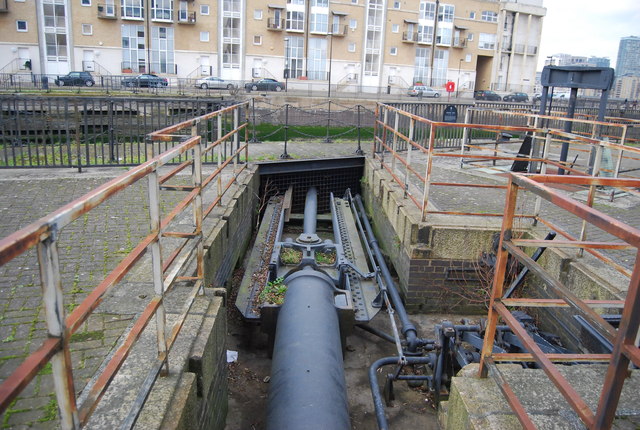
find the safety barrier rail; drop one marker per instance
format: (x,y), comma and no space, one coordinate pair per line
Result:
(181,141)
(412,144)
(623,339)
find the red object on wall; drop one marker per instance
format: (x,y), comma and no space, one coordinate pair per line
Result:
(450,86)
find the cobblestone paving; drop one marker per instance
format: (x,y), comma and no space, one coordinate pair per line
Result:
(89,248)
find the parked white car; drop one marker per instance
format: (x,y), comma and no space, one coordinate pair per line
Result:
(212,82)
(422,90)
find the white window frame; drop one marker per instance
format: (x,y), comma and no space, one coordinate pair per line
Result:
(397,5)
(163,59)
(393,50)
(489,16)
(446,13)
(132,9)
(26,25)
(162,10)
(204,9)
(295,20)
(472,15)
(257,14)
(427,10)
(136,51)
(19,1)
(257,39)
(351,47)
(470,37)
(395,28)
(204,36)
(353,24)
(487,41)
(85,2)
(87,33)
(467,58)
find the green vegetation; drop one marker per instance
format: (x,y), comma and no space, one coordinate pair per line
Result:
(326,258)
(275,133)
(50,410)
(273,293)
(87,335)
(290,256)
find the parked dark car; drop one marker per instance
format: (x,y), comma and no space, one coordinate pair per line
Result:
(145,81)
(75,78)
(266,84)
(516,97)
(486,95)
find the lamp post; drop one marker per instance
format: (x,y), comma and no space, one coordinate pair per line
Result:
(458,84)
(286,64)
(330,61)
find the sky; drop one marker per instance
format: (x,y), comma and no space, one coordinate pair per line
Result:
(587,27)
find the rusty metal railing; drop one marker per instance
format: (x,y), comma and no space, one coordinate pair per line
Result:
(43,234)
(412,159)
(623,339)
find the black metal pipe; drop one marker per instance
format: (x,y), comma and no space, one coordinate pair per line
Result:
(376,332)
(375,388)
(408,329)
(307,388)
(311,211)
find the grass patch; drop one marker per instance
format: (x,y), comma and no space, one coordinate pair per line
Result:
(50,410)
(326,258)
(290,256)
(87,335)
(275,133)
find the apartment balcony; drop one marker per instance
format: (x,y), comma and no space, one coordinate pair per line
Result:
(339,30)
(107,11)
(409,37)
(187,18)
(275,24)
(4,5)
(459,43)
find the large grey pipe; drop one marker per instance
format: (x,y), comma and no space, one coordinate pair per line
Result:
(311,211)
(307,389)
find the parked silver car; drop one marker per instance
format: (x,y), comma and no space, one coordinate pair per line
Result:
(422,91)
(211,82)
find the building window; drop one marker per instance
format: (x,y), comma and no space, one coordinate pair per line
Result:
(393,50)
(132,9)
(133,48)
(444,36)
(353,24)
(319,3)
(162,10)
(446,13)
(354,1)
(231,30)
(295,55)
(257,14)
(351,47)
(487,41)
(428,10)
(489,16)
(55,30)
(85,2)
(317,61)
(295,20)
(425,33)
(422,65)
(472,15)
(257,40)
(373,38)
(87,29)
(204,36)
(467,58)
(162,55)
(470,37)
(204,9)
(19,1)
(319,22)
(396,5)
(108,9)
(21,25)
(395,28)
(440,65)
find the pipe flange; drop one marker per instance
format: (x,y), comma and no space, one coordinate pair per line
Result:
(308,238)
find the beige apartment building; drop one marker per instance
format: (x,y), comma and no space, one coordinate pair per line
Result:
(477,44)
